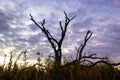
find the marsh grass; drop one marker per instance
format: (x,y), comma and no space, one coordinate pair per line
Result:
(38,71)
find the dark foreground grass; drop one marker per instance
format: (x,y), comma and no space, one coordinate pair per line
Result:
(49,72)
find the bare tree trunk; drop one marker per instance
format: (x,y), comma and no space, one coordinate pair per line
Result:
(58,55)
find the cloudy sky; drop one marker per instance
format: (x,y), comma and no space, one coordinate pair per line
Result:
(18,32)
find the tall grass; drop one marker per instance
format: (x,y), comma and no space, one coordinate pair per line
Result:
(38,71)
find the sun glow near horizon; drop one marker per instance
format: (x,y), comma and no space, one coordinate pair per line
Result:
(5,61)
(7,52)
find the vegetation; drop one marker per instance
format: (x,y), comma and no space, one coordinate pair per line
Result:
(81,68)
(47,71)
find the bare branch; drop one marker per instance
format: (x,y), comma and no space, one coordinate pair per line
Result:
(72,18)
(78,52)
(36,22)
(67,21)
(43,23)
(88,35)
(50,36)
(61,26)
(93,56)
(82,46)
(66,17)
(31,17)
(101,61)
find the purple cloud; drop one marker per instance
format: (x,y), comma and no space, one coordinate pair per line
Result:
(101,17)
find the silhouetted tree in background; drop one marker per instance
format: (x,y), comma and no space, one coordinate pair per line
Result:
(57,44)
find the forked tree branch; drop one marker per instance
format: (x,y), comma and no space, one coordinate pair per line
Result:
(56,44)
(82,46)
(64,29)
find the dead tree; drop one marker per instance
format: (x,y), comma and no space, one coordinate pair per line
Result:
(55,44)
(82,46)
(82,59)
(87,58)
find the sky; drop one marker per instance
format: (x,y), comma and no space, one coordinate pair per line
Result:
(18,32)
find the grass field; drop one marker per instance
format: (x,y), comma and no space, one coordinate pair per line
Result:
(38,71)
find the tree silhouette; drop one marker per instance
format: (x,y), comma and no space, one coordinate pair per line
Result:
(55,44)
(83,59)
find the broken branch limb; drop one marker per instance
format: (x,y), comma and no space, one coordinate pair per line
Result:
(103,62)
